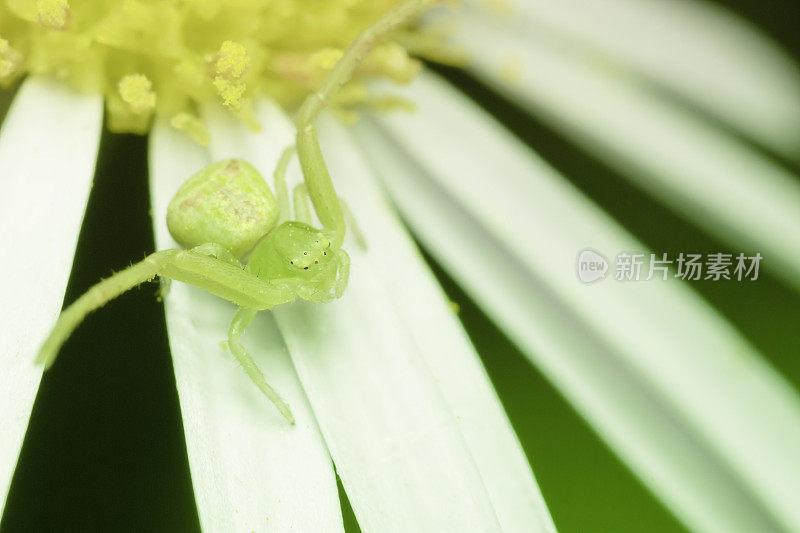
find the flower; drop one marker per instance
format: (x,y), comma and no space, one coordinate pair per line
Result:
(385,380)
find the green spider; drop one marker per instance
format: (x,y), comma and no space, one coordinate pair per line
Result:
(285,259)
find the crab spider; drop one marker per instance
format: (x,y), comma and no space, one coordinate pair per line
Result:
(227,212)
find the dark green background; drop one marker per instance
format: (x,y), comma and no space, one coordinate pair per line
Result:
(105,450)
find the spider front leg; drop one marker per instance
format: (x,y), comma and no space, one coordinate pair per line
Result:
(301,197)
(217,251)
(279,179)
(241,320)
(315,171)
(353,225)
(344,272)
(319,185)
(203,270)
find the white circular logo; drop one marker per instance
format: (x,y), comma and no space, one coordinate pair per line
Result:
(591,266)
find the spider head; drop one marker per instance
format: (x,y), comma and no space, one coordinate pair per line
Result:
(305,257)
(303,248)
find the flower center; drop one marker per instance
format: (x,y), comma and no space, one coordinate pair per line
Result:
(165,58)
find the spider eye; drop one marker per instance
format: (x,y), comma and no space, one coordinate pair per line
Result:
(305,268)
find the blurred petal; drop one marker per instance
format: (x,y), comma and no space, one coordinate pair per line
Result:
(704,53)
(409,418)
(676,392)
(251,470)
(48,149)
(712,179)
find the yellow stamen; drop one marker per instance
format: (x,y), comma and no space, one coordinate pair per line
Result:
(325,59)
(229,65)
(192,125)
(392,61)
(53,14)
(136,91)
(10,63)
(231,61)
(230,91)
(190,53)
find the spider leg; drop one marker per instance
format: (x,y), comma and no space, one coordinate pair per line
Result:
(228,281)
(98,295)
(302,213)
(216,276)
(241,320)
(300,196)
(281,191)
(344,272)
(319,185)
(315,171)
(353,225)
(217,251)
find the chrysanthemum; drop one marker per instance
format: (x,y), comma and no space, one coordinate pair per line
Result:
(686,102)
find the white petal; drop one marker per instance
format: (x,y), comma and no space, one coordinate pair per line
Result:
(386,419)
(48,149)
(444,345)
(251,470)
(709,177)
(701,51)
(681,397)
